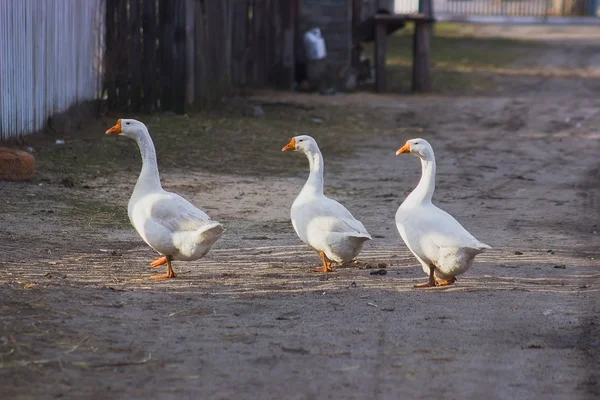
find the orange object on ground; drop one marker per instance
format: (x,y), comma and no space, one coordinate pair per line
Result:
(16,165)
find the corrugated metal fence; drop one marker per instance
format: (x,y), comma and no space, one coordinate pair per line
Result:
(509,8)
(50,59)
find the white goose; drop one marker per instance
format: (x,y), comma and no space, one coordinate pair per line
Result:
(443,247)
(321,222)
(166,221)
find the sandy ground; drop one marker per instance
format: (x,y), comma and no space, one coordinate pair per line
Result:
(79,317)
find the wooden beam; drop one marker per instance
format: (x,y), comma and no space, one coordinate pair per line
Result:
(380,55)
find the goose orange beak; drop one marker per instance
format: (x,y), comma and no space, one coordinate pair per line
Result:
(115,130)
(290,146)
(403,149)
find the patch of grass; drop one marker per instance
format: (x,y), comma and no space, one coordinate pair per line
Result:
(94,213)
(461,61)
(231,140)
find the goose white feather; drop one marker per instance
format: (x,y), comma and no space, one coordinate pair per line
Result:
(168,223)
(321,222)
(442,245)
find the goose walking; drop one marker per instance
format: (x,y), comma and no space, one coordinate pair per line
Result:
(166,221)
(443,247)
(321,222)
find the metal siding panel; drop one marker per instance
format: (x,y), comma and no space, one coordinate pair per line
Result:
(52,60)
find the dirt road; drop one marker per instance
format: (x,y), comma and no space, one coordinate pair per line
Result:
(79,317)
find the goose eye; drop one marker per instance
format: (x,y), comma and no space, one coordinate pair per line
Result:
(127,123)
(301,140)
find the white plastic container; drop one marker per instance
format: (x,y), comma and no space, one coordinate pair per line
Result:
(314,44)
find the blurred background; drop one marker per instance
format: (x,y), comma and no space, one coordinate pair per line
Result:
(184,55)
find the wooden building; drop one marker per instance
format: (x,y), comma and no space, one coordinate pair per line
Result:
(346,23)
(337,20)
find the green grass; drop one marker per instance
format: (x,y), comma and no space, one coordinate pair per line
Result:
(461,61)
(225,141)
(94,213)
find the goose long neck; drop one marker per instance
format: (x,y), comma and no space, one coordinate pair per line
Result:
(424,190)
(314,184)
(149,177)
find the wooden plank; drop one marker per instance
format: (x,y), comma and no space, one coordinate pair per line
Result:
(150,68)
(111,48)
(150,74)
(223,49)
(199,31)
(239,39)
(136,69)
(226,81)
(178,63)
(380,55)
(288,11)
(271,30)
(259,61)
(190,54)
(122,56)
(211,65)
(250,34)
(166,44)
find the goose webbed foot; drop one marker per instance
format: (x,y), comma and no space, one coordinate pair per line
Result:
(424,285)
(159,261)
(431,282)
(170,273)
(446,282)
(326,264)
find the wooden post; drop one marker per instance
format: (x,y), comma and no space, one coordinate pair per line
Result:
(421,47)
(380,55)
(421,81)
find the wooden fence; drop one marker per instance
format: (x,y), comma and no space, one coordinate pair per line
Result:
(50,59)
(180,54)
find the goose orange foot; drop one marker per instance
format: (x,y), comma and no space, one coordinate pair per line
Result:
(446,282)
(324,268)
(424,285)
(159,261)
(431,282)
(326,264)
(170,273)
